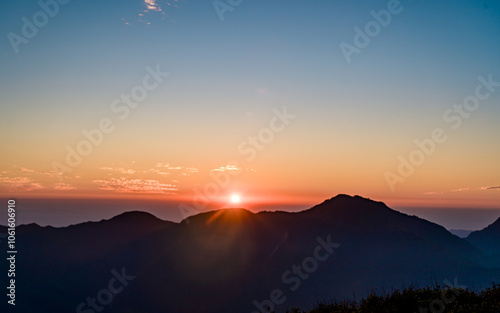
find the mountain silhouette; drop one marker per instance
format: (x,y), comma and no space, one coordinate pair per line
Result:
(233,260)
(488,241)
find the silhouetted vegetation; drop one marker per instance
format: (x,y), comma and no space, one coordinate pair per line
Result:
(431,299)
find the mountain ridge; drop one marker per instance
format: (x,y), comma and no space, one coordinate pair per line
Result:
(228,259)
(487,240)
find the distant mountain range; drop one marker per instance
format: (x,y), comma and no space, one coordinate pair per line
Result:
(233,260)
(462,233)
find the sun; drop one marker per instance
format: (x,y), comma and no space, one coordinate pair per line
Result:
(235,199)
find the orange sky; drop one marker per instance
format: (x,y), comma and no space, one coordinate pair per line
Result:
(157,106)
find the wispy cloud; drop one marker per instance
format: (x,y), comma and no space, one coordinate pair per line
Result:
(19,184)
(463,189)
(124,185)
(23,169)
(174,170)
(63,187)
(492,187)
(150,10)
(119,170)
(233,169)
(27,171)
(22,179)
(227,168)
(152,5)
(159,169)
(476,188)
(157,5)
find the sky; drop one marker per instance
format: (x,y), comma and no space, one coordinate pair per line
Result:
(284,103)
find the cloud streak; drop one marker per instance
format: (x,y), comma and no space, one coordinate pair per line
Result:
(151,5)
(64,187)
(19,184)
(463,189)
(124,185)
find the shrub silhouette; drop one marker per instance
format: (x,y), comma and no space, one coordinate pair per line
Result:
(430,299)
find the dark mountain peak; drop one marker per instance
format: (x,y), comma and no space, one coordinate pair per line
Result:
(358,215)
(345,196)
(239,214)
(231,211)
(137,220)
(346,204)
(240,210)
(33,228)
(348,199)
(495,226)
(136,217)
(227,214)
(488,239)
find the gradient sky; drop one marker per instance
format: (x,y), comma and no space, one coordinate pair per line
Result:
(226,81)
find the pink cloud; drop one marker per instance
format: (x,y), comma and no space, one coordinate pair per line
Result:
(63,186)
(124,185)
(19,184)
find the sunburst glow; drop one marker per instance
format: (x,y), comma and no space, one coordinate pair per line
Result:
(235,199)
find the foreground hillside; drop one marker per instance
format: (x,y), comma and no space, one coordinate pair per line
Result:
(431,299)
(234,260)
